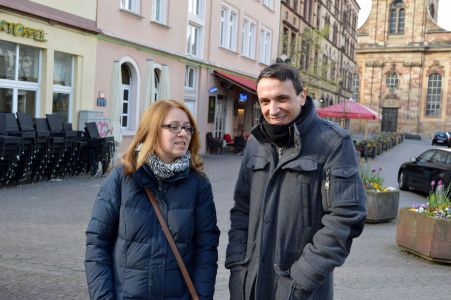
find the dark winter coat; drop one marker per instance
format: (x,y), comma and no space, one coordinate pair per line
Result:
(295,214)
(127,255)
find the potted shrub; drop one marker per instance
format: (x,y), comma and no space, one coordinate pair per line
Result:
(381,202)
(425,230)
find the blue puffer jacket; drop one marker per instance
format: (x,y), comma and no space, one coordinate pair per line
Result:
(127,255)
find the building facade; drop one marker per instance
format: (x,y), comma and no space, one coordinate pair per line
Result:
(404,65)
(319,37)
(47,57)
(205,53)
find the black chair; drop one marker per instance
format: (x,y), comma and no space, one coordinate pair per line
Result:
(57,129)
(214,145)
(9,153)
(27,138)
(80,152)
(99,149)
(40,147)
(55,167)
(239,143)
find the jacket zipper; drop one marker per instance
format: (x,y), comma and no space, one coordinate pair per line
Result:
(326,186)
(280,152)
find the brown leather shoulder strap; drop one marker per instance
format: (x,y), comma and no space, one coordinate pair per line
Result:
(178,257)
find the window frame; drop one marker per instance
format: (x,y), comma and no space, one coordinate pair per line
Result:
(265,46)
(269,4)
(392,81)
(228,30)
(201,7)
(66,89)
(197,39)
(133,6)
(434,98)
(162,10)
(249,38)
(194,79)
(15,84)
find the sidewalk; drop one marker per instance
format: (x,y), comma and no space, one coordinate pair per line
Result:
(42,240)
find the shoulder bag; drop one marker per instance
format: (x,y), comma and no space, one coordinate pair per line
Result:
(178,257)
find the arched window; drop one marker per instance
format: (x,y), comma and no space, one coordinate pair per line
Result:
(125,88)
(434,95)
(432,11)
(392,81)
(393,14)
(397,17)
(401,20)
(355,87)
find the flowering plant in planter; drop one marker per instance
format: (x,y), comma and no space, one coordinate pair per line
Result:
(382,202)
(372,179)
(439,204)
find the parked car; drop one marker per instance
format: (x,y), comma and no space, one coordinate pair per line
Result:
(442,138)
(433,164)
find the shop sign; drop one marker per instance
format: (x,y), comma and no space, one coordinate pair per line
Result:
(212,90)
(19,29)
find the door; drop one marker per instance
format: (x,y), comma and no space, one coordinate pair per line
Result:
(389,119)
(220,117)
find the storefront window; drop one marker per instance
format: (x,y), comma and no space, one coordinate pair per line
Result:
(61,106)
(28,64)
(7,60)
(62,73)
(62,86)
(6,100)
(19,78)
(26,102)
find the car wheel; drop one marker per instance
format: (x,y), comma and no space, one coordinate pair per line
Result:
(402,181)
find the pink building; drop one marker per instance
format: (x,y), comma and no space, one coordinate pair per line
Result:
(206,53)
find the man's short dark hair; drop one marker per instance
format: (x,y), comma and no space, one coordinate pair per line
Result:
(282,72)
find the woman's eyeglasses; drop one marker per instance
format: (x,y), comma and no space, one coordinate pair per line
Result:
(175,128)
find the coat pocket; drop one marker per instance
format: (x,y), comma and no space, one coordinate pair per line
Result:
(284,283)
(237,282)
(343,187)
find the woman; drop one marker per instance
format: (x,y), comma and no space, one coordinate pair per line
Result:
(127,254)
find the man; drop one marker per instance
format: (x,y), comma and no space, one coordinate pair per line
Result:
(299,200)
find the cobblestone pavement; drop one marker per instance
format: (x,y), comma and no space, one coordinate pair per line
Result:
(42,240)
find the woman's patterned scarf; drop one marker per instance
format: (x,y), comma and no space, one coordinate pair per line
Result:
(163,170)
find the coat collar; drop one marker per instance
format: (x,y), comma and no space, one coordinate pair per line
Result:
(145,177)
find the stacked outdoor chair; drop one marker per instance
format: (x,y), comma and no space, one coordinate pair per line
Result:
(26,149)
(39,157)
(100,150)
(214,145)
(80,153)
(9,153)
(69,144)
(55,152)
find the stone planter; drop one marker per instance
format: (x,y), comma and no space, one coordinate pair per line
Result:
(381,206)
(425,236)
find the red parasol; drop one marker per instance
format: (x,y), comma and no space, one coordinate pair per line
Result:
(349,109)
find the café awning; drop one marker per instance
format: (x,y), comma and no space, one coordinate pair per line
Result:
(245,83)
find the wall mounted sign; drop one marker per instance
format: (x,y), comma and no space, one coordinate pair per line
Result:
(212,90)
(19,29)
